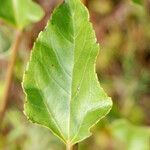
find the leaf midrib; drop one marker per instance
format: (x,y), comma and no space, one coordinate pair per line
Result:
(69,122)
(72,97)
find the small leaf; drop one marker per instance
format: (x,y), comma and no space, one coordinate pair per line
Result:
(20,13)
(130,137)
(60,83)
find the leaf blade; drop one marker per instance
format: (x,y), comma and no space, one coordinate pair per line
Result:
(68,83)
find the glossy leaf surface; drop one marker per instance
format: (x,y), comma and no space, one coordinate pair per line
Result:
(20,13)
(62,89)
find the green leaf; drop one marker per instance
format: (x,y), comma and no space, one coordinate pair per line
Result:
(60,83)
(20,13)
(130,137)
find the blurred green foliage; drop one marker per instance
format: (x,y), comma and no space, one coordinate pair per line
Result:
(137,1)
(129,137)
(20,13)
(5,39)
(18,134)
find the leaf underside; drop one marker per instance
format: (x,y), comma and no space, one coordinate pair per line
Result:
(60,82)
(20,13)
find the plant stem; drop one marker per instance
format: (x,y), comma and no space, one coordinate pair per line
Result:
(9,74)
(70,147)
(75,147)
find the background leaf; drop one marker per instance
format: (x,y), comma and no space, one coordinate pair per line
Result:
(20,13)
(61,85)
(130,137)
(25,136)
